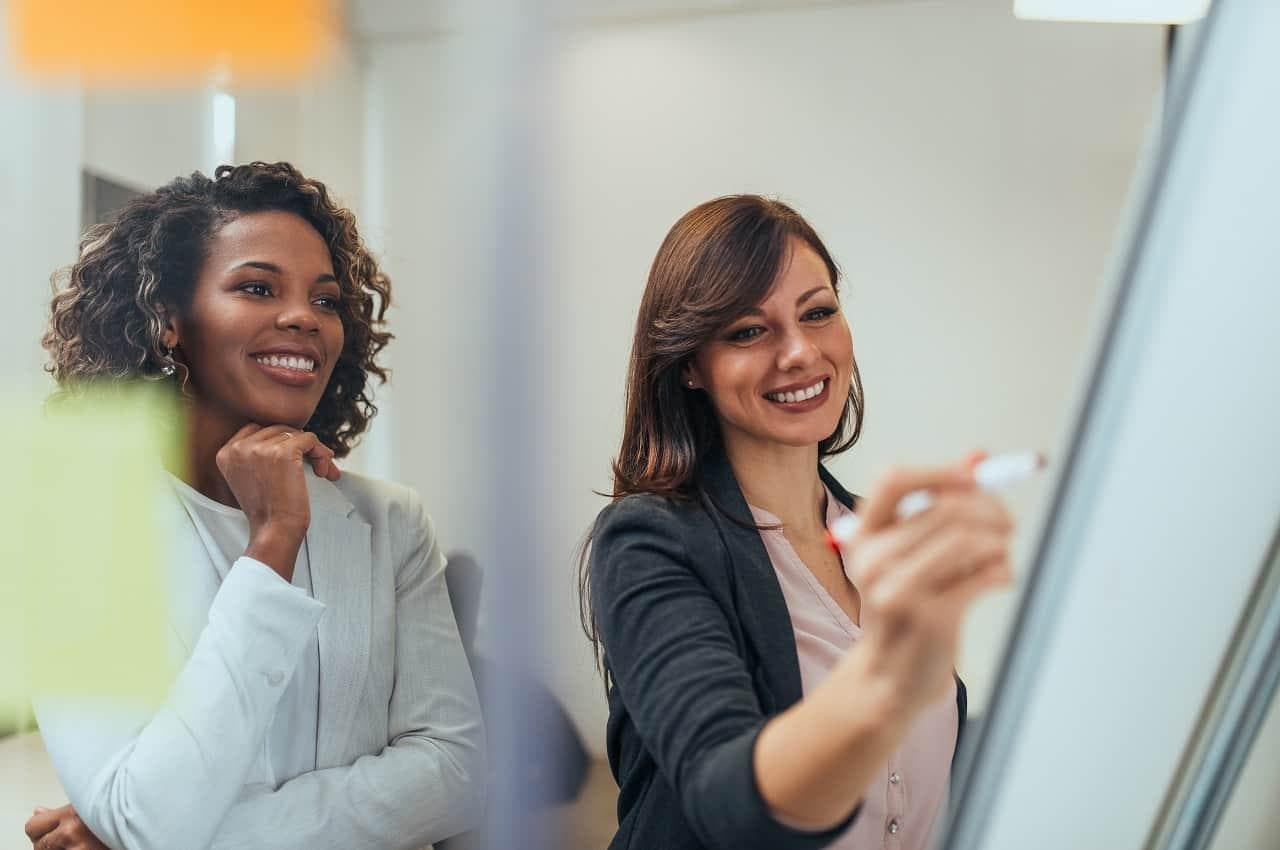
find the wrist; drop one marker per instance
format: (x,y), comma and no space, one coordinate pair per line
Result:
(277,546)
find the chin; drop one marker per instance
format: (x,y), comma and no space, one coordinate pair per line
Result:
(800,440)
(279,415)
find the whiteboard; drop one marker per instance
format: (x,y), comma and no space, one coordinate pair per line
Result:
(1168,494)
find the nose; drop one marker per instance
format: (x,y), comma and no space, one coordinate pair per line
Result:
(298,316)
(797,351)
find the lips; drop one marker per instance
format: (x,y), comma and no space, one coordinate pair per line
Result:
(292,367)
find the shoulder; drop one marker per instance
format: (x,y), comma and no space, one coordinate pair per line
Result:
(649,512)
(374,495)
(650,530)
(388,504)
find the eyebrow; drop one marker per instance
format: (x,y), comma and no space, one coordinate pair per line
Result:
(756,311)
(274,269)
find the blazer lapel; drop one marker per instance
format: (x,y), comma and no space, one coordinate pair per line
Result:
(761,605)
(339,553)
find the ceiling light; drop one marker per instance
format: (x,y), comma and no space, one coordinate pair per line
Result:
(1112,11)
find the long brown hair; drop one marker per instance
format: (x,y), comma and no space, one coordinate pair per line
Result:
(719,261)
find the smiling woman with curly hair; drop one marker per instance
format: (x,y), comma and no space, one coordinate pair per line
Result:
(136,272)
(324,698)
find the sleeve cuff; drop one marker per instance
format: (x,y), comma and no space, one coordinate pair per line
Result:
(267,620)
(745,817)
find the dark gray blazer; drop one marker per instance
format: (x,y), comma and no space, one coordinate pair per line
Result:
(700,649)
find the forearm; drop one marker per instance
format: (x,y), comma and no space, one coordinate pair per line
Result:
(144,778)
(415,792)
(814,761)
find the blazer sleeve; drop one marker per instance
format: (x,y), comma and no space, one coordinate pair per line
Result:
(671,651)
(429,781)
(144,779)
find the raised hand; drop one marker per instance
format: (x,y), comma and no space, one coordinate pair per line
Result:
(264,467)
(917,577)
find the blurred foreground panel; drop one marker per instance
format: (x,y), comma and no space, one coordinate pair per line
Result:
(169,42)
(83,600)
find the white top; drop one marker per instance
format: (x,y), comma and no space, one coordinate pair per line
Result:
(901,807)
(290,749)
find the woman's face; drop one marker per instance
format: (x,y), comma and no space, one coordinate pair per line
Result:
(780,374)
(262,333)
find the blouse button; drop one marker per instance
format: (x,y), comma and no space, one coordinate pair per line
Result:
(894,779)
(894,827)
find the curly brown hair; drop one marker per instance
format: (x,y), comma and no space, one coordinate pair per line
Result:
(110,307)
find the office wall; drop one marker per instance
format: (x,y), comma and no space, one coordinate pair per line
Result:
(39,211)
(145,139)
(967,169)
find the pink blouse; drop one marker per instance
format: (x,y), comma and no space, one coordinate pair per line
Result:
(900,808)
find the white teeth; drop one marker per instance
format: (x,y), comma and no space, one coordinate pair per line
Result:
(288,361)
(802,395)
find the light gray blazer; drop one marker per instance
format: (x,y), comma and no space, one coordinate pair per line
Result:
(400,749)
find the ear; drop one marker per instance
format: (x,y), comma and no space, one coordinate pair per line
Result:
(168,336)
(689,375)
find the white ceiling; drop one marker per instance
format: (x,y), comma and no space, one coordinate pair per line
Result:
(410,19)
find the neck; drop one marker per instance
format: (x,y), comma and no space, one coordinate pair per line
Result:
(207,432)
(782,480)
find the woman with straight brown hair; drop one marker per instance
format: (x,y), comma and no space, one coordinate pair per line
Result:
(766,691)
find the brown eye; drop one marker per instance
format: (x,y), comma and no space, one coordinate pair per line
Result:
(744,334)
(255,287)
(817,314)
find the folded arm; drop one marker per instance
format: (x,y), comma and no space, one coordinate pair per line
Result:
(428,783)
(143,779)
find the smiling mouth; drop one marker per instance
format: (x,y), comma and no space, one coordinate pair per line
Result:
(304,365)
(799,395)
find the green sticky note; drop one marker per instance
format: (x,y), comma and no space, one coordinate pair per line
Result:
(83,594)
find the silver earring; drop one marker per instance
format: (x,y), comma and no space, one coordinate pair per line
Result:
(168,369)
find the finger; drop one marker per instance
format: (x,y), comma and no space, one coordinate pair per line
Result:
(873,554)
(948,557)
(993,575)
(244,433)
(42,823)
(323,463)
(270,433)
(58,839)
(881,507)
(300,445)
(77,837)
